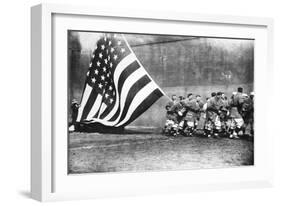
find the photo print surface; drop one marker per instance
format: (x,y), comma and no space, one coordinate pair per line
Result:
(147,102)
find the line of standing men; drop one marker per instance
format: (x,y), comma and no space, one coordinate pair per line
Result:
(232,117)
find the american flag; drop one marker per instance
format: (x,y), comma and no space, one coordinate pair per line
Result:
(117,89)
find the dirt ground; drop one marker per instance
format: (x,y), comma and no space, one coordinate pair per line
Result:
(146,151)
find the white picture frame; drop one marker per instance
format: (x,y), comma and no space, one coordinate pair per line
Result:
(49,178)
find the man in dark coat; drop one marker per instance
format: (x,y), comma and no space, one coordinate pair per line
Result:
(74,114)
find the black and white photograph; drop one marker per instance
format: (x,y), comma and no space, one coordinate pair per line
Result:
(151,102)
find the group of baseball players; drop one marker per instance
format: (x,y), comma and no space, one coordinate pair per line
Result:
(218,115)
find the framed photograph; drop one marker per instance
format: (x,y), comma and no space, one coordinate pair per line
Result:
(138,102)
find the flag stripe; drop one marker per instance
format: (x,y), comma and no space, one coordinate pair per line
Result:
(115,116)
(139,98)
(102,108)
(106,111)
(123,76)
(126,87)
(88,106)
(98,109)
(132,93)
(85,97)
(123,64)
(95,107)
(153,97)
(126,73)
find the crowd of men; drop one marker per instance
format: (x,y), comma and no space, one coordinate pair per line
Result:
(221,116)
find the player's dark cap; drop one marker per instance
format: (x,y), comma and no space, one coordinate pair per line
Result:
(219,93)
(189,94)
(213,94)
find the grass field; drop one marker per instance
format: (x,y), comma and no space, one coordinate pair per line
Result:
(146,151)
